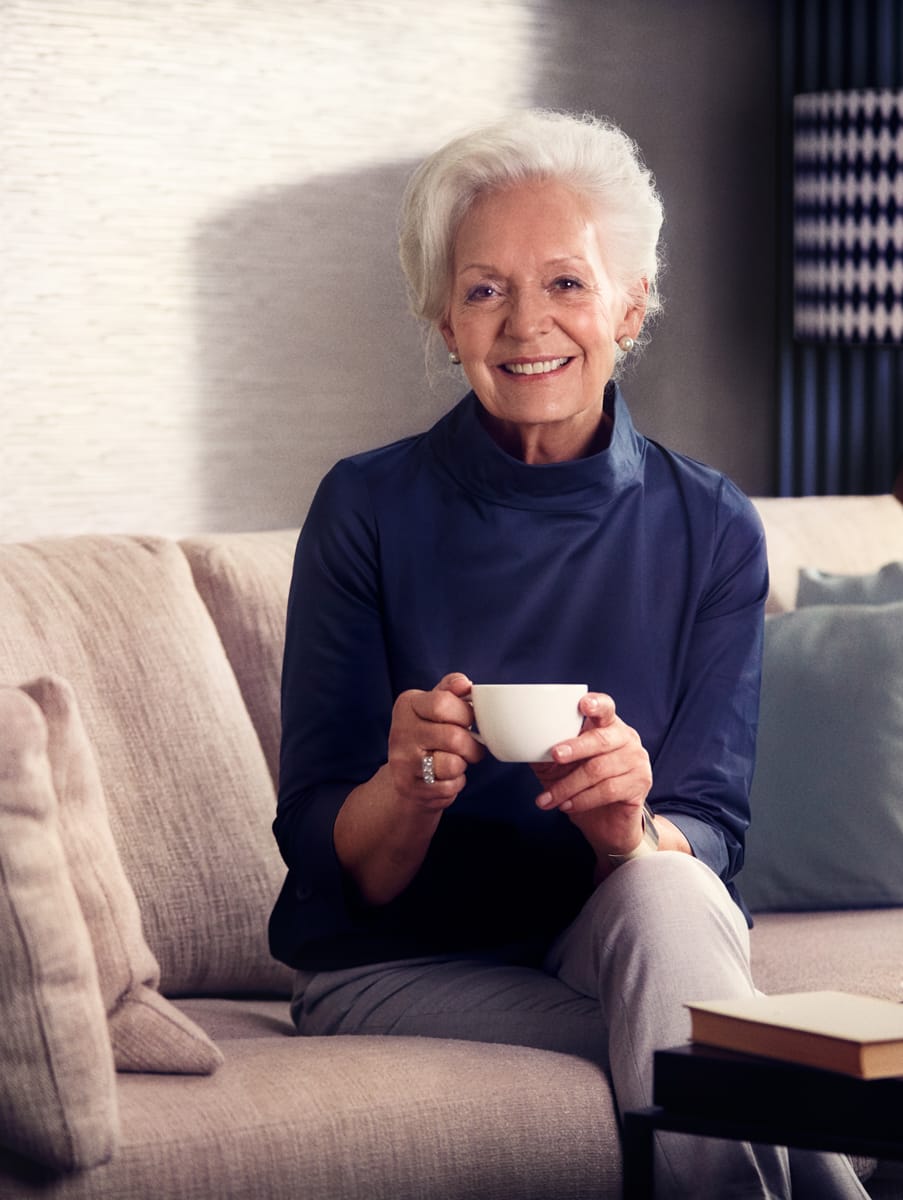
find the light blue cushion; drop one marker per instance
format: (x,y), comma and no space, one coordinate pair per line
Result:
(827,798)
(881,587)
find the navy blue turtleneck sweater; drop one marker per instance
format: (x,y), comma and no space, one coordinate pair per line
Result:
(636,570)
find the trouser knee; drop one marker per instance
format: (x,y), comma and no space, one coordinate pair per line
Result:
(666,908)
(660,885)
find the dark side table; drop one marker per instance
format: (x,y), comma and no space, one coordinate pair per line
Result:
(715,1093)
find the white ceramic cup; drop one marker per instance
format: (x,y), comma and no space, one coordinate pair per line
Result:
(521,722)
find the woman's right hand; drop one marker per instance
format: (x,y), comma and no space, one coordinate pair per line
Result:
(384,828)
(433,723)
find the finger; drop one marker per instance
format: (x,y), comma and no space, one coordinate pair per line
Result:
(447,765)
(630,787)
(444,702)
(456,682)
(600,713)
(594,741)
(436,795)
(621,775)
(599,707)
(455,742)
(440,777)
(420,778)
(459,686)
(564,792)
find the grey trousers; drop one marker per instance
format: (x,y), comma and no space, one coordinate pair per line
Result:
(660,931)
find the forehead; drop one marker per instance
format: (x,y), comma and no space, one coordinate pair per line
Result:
(537,219)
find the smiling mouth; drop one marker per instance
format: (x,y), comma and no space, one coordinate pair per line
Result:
(540,367)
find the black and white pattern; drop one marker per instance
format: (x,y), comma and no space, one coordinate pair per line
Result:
(848,216)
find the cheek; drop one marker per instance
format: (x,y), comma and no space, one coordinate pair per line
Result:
(595,333)
(474,332)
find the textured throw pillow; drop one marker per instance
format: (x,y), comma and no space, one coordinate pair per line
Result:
(57,1082)
(827,798)
(147,1032)
(881,587)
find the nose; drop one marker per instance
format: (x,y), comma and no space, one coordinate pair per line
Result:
(529,314)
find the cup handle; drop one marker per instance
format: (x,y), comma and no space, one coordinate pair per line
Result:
(474,733)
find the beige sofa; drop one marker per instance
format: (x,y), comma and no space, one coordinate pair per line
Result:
(146,1048)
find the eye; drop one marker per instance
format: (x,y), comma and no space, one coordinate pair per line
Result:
(567,283)
(483,291)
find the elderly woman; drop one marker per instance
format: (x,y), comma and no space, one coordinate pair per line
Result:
(532,535)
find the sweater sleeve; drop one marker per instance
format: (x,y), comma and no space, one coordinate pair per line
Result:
(336,704)
(703,770)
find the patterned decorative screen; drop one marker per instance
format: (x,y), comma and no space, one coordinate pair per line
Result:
(848,216)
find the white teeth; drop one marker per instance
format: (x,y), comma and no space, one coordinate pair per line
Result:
(535,368)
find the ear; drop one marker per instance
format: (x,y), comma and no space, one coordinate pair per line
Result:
(632,321)
(448,335)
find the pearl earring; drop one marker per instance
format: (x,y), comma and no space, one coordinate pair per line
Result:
(453,358)
(626,344)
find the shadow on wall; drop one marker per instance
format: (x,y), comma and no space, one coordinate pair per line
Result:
(307,351)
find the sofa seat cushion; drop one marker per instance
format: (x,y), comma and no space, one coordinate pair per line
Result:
(226,1019)
(57,1085)
(190,797)
(359,1119)
(848,951)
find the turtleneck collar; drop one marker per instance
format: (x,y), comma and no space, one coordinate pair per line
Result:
(478,464)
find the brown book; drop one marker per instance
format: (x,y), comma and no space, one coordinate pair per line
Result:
(856,1035)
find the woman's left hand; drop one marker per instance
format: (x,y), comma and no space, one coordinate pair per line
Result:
(600,778)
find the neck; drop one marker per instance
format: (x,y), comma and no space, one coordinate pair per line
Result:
(549,442)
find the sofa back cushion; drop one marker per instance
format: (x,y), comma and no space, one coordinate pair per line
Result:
(244,579)
(189,794)
(842,534)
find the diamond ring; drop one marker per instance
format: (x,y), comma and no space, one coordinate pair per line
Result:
(426,766)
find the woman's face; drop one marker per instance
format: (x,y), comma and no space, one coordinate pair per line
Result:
(534,318)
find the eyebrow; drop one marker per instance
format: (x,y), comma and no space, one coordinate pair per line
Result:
(489,269)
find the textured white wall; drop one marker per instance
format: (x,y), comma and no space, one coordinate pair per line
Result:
(200,303)
(171,171)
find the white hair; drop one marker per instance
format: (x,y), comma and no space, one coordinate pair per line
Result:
(590,155)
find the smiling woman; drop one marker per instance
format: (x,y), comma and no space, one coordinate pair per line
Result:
(535,319)
(573,903)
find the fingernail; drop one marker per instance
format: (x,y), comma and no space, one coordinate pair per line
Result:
(567,806)
(562,753)
(592,703)
(544,800)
